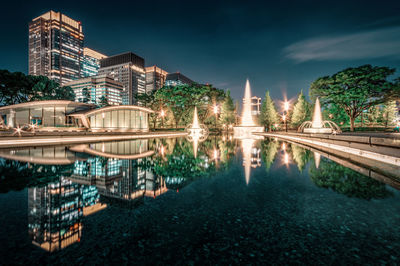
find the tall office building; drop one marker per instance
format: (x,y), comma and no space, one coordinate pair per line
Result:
(155,78)
(97,87)
(55,47)
(127,68)
(91,62)
(177,79)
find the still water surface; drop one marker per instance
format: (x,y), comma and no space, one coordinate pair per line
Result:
(153,201)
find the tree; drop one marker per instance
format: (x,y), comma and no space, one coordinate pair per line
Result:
(182,99)
(301,111)
(17,87)
(149,100)
(269,115)
(390,112)
(228,110)
(355,89)
(373,114)
(103,101)
(86,95)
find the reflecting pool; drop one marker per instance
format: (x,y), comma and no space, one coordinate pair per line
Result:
(172,201)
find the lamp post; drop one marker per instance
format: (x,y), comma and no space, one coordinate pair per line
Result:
(216,113)
(162,114)
(286,107)
(284,121)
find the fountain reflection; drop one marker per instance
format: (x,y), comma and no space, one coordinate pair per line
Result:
(251,157)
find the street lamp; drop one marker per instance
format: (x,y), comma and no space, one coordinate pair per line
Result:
(216,113)
(284,121)
(162,114)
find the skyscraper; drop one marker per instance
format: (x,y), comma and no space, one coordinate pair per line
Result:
(55,47)
(91,62)
(177,79)
(127,68)
(155,78)
(96,88)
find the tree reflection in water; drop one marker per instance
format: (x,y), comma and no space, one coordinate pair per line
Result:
(269,149)
(178,165)
(15,175)
(301,156)
(346,181)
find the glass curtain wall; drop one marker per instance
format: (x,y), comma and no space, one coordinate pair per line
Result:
(119,119)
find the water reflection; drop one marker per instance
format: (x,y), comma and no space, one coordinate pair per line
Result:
(65,184)
(328,171)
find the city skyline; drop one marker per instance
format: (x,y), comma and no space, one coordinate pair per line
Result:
(279,47)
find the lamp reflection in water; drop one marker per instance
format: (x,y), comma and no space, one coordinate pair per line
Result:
(196,132)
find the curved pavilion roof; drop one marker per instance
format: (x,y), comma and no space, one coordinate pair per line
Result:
(91,107)
(46,103)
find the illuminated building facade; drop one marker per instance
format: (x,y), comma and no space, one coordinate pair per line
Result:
(60,115)
(127,68)
(155,78)
(55,47)
(91,62)
(96,88)
(255,105)
(177,79)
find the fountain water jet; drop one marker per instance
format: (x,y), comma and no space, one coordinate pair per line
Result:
(196,132)
(247,125)
(317,125)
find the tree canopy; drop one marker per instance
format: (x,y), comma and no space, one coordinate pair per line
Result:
(228,110)
(181,100)
(16,87)
(301,111)
(355,89)
(269,115)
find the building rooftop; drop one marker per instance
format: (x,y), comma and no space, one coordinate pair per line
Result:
(178,76)
(92,53)
(124,58)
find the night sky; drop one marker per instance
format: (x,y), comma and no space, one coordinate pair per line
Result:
(281,46)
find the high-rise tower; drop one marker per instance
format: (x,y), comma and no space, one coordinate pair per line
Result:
(55,47)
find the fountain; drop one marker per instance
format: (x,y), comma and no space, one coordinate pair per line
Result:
(196,132)
(247,125)
(317,125)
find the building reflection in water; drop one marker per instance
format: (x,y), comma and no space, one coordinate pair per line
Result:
(56,209)
(116,177)
(54,216)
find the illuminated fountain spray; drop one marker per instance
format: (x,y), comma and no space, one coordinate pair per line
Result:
(196,132)
(247,125)
(247,119)
(317,117)
(317,125)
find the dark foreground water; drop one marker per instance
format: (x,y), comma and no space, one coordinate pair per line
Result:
(159,202)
